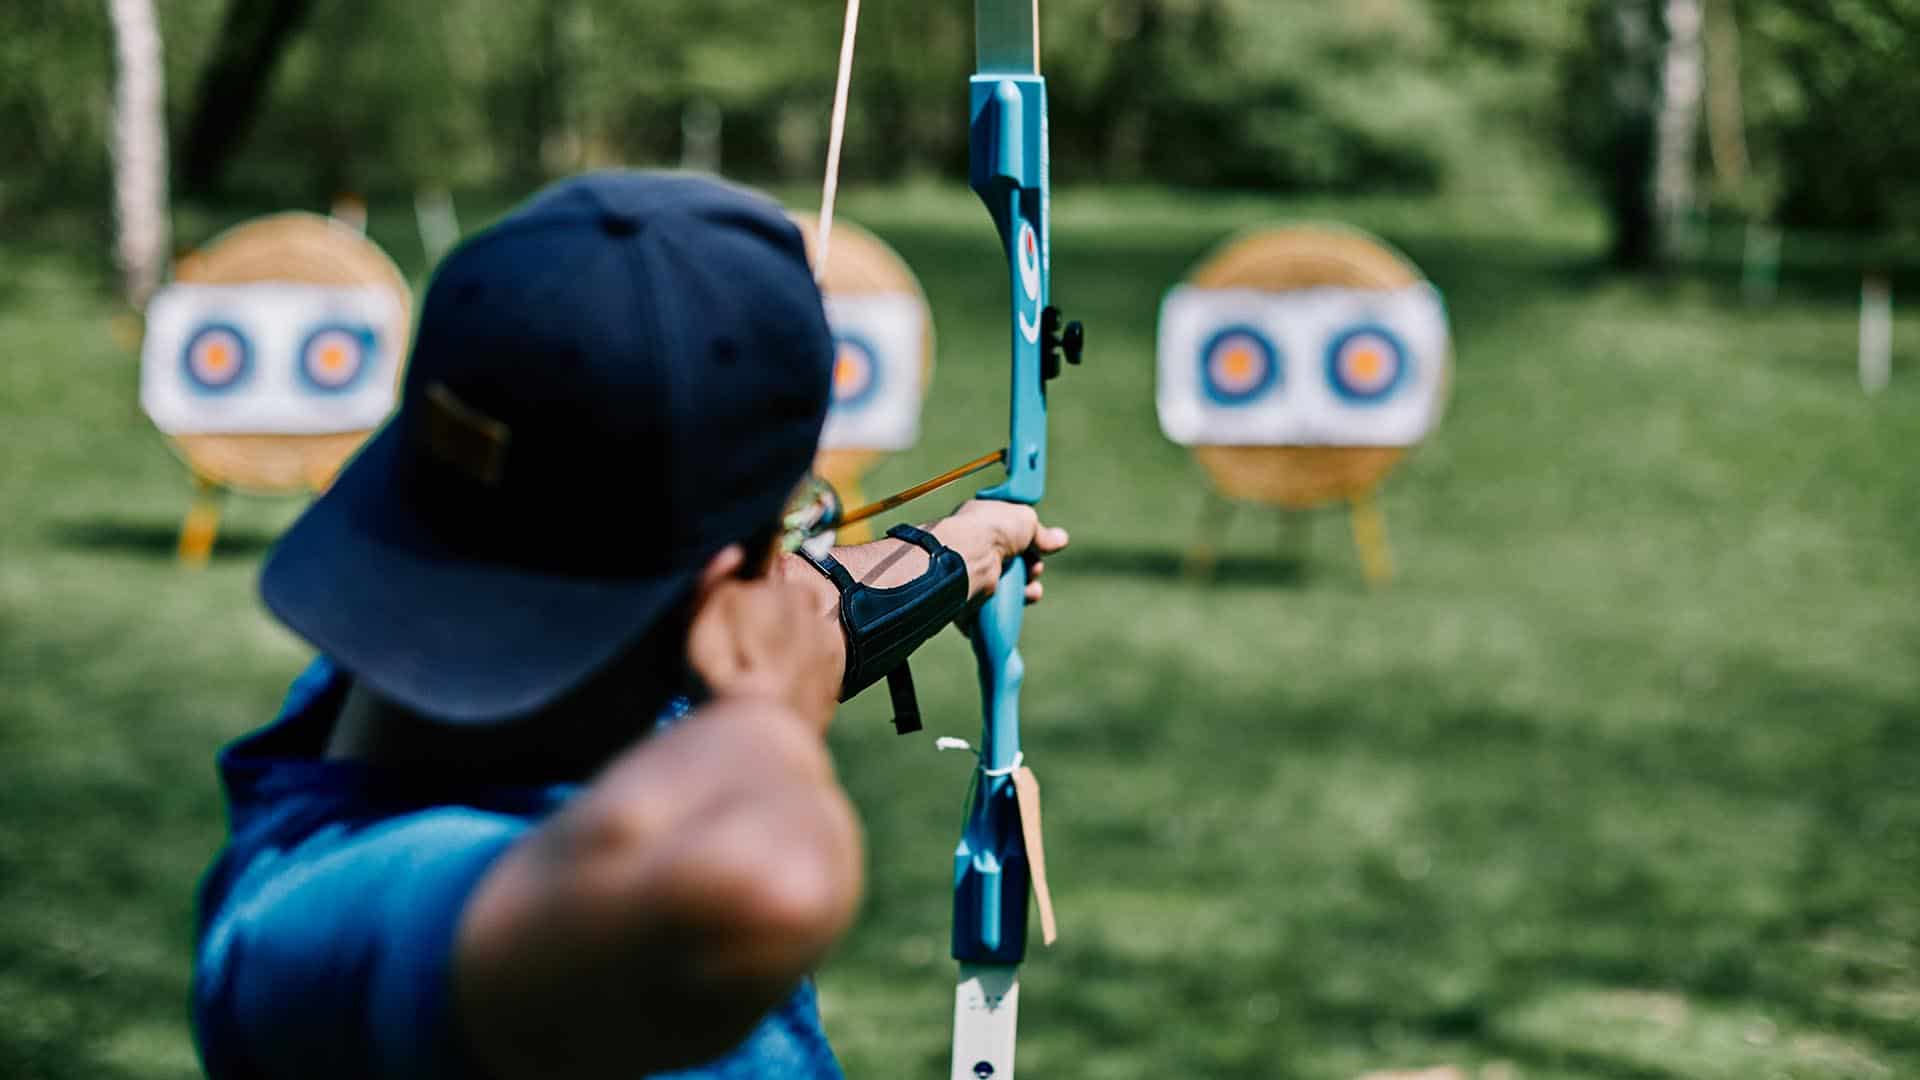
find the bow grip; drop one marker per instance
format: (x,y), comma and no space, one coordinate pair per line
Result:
(991,878)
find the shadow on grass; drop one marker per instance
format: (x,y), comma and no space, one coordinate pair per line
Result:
(156,539)
(1277,571)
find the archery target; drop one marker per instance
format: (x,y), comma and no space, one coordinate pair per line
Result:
(1365,364)
(1238,365)
(334,357)
(878,367)
(216,359)
(1371,366)
(273,358)
(276,429)
(858,269)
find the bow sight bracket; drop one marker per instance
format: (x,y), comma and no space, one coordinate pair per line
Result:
(1056,342)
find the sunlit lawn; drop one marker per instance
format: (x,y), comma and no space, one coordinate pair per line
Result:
(1621,778)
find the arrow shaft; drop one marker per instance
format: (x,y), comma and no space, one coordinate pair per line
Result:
(925,487)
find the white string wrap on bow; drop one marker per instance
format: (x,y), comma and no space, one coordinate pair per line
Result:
(948,742)
(831,188)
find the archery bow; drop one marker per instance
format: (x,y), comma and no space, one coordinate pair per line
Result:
(999,859)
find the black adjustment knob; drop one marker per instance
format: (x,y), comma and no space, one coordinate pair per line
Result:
(1054,342)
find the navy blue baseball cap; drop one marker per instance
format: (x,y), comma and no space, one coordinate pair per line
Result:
(617,380)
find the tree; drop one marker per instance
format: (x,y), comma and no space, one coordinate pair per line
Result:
(1612,95)
(1683,80)
(1841,119)
(139,150)
(248,48)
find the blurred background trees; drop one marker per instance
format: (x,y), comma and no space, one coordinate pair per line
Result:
(294,101)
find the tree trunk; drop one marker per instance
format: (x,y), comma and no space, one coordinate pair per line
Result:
(1683,78)
(139,143)
(1632,46)
(253,38)
(1726,119)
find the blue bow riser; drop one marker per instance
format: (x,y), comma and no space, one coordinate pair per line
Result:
(991,879)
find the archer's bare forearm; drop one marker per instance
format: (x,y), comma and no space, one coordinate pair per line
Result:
(986,533)
(659,917)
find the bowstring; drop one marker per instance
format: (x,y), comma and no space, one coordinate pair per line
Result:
(831,188)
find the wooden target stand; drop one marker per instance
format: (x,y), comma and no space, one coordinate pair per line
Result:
(1298,478)
(861,264)
(304,249)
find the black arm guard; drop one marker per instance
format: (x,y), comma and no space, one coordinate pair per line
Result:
(884,626)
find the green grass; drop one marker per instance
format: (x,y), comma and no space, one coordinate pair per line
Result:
(1621,778)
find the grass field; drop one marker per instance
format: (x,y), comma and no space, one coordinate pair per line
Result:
(1621,778)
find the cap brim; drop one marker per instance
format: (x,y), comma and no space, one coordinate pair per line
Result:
(457,640)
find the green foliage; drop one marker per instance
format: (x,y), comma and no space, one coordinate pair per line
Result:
(1618,780)
(1831,107)
(1493,97)
(378,97)
(1377,95)
(54,92)
(1842,118)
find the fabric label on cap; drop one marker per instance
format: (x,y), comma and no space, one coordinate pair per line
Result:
(464,438)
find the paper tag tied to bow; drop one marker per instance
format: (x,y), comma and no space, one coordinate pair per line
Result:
(1027,789)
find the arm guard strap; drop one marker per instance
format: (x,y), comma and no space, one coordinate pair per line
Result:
(884,626)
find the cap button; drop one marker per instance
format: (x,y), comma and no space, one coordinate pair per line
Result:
(615,223)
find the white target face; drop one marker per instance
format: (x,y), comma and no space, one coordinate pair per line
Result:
(878,367)
(1313,367)
(270,359)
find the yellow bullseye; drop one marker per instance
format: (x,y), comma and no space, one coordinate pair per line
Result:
(849,372)
(1238,364)
(1367,364)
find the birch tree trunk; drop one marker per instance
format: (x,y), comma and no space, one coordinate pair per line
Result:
(1683,80)
(139,144)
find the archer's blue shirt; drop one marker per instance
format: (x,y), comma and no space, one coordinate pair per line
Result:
(326,926)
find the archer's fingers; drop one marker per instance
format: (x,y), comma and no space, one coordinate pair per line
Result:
(1048,539)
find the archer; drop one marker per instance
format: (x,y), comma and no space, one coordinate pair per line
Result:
(555,801)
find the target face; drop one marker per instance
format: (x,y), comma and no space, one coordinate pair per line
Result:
(1238,366)
(217,359)
(270,358)
(333,358)
(1366,364)
(856,372)
(1304,367)
(879,369)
